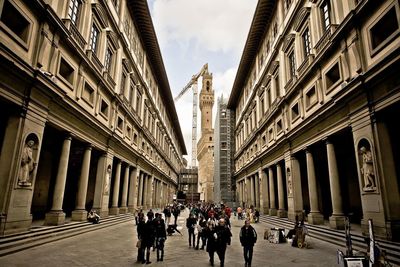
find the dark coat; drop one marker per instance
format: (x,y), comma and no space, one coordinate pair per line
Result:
(248,237)
(211,239)
(223,236)
(160,228)
(148,234)
(191,223)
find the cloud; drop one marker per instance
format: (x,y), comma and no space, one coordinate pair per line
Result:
(194,32)
(203,24)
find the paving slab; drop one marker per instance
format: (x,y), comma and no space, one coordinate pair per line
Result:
(115,246)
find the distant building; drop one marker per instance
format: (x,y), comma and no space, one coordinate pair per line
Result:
(205,146)
(224,184)
(188,184)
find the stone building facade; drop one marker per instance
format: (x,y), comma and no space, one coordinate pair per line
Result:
(205,146)
(188,183)
(316,99)
(224,185)
(88,120)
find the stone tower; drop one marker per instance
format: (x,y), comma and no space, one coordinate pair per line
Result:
(205,146)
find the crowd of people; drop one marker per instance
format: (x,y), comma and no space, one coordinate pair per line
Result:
(207,224)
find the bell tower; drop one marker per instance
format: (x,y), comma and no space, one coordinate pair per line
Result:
(205,146)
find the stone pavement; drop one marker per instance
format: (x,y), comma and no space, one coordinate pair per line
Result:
(115,246)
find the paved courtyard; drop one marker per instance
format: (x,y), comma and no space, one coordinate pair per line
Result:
(115,246)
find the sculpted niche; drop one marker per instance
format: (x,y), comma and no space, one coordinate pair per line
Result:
(366,165)
(28,161)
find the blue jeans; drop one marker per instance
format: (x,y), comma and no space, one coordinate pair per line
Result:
(248,254)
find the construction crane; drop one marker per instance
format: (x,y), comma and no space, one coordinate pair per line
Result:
(193,84)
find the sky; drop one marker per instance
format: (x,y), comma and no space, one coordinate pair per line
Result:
(194,32)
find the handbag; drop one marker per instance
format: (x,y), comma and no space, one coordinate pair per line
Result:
(139,243)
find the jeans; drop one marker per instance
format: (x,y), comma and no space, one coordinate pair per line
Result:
(192,236)
(248,254)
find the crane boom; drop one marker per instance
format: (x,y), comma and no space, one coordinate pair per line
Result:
(192,80)
(193,84)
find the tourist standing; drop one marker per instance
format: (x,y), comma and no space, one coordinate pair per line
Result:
(248,237)
(148,237)
(161,236)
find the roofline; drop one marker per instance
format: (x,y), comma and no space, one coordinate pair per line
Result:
(141,15)
(261,19)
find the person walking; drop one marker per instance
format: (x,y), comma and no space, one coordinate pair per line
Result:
(248,237)
(223,234)
(201,226)
(176,211)
(161,236)
(191,222)
(211,241)
(167,214)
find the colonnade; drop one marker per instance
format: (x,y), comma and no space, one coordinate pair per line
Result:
(259,189)
(132,187)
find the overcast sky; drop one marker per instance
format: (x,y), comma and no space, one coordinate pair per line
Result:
(194,32)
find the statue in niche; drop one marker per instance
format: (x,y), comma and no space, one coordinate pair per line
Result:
(28,164)
(289,182)
(367,169)
(107,181)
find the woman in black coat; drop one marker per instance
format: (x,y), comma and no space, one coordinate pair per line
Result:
(209,232)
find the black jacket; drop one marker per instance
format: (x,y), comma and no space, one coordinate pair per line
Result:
(223,236)
(191,223)
(248,237)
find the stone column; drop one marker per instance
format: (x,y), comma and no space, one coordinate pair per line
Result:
(132,197)
(56,216)
(337,219)
(80,214)
(295,198)
(314,217)
(124,207)
(150,191)
(140,190)
(252,202)
(264,191)
(103,183)
(114,210)
(145,195)
(257,195)
(272,203)
(281,195)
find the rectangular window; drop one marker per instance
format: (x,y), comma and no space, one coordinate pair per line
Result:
(120,123)
(73,10)
(15,21)
(262,109)
(108,59)
(88,94)
(295,111)
(104,108)
(311,97)
(66,71)
(128,132)
(122,85)
(326,16)
(138,102)
(292,65)
(279,126)
(332,76)
(384,28)
(307,42)
(94,38)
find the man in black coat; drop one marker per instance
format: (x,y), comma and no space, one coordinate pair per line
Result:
(161,236)
(191,225)
(248,237)
(223,234)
